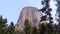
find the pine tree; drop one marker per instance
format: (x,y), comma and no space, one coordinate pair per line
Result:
(42,28)
(27,27)
(47,17)
(47,10)
(58,14)
(58,28)
(55,29)
(58,10)
(34,30)
(2,25)
(11,28)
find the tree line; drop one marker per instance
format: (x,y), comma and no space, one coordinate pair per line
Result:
(43,28)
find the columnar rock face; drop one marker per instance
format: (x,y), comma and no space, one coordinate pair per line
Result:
(30,13)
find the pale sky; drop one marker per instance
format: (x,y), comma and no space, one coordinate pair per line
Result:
(11,9)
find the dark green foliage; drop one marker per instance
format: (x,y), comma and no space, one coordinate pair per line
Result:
(11,28)
(2,25)
(41,29)
(27,27)
(21,32)
(34,30)
(47,17)
(47,10)
(4,28)
(43,18)
(58,15)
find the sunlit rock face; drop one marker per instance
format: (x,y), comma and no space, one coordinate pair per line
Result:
(30,13)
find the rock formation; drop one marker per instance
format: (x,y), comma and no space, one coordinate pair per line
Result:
(30,13)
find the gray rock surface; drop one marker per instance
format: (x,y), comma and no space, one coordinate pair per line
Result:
(30,13)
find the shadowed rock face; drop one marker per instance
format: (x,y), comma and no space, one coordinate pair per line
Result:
(30,13)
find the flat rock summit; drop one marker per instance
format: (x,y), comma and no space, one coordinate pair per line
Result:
(30,13)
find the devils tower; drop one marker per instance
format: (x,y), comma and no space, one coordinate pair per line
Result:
(30,13)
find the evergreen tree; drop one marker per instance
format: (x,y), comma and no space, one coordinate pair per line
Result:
(27,27)
(47,10)
(41,28)
(55,29)
(21,32)
(47,17)
(11,28)
(44,29)
(2,25)
(58,28)
(58,10)
(58,14)
(34,30)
